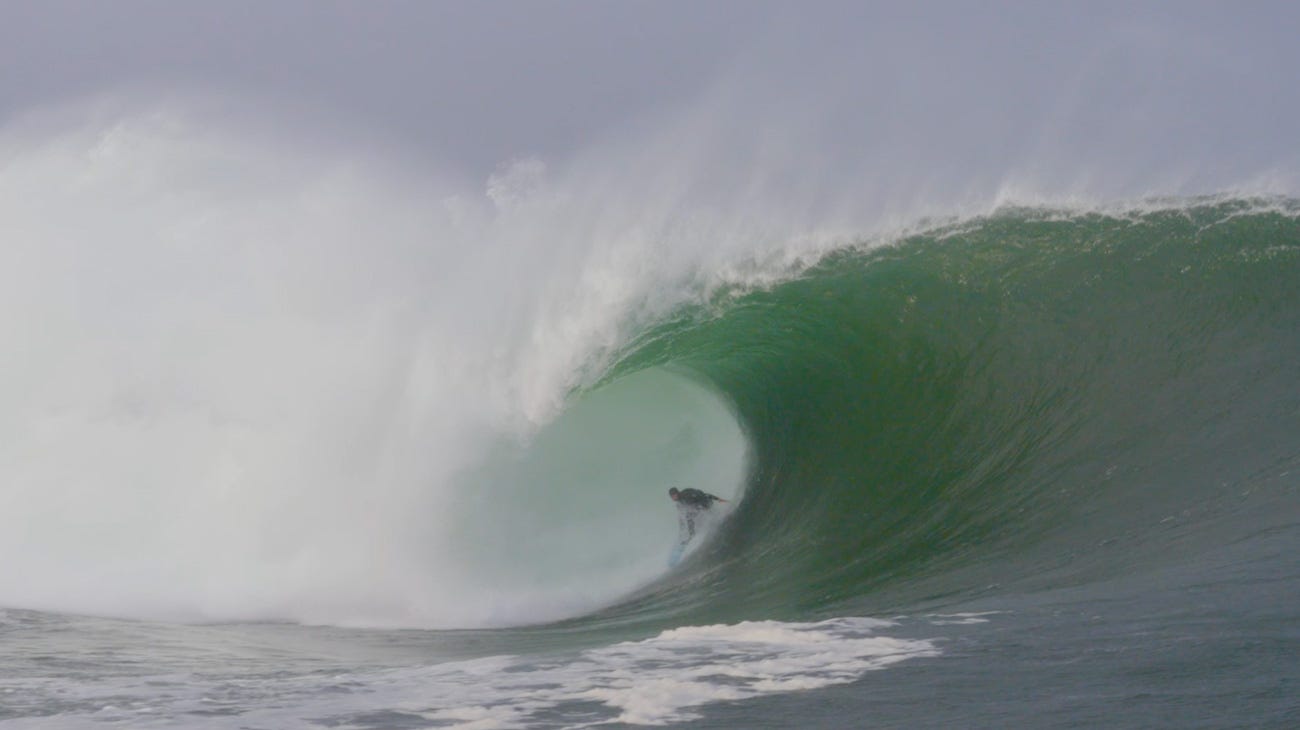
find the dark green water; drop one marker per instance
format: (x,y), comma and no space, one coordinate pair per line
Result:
(1016,400)
(1088,422)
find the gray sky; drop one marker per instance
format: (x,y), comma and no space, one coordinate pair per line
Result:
(1208,92)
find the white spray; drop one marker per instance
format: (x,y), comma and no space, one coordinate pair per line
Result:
(243,381)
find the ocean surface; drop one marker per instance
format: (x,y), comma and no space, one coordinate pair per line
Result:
(1038,467)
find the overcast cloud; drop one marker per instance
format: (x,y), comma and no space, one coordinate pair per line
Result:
(1204,92)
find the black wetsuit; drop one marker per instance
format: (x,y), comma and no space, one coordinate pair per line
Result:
(696,498)
(691,502)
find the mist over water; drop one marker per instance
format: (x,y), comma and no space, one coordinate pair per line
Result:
(251,382)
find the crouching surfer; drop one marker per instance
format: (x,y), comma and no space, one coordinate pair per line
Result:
(690,503)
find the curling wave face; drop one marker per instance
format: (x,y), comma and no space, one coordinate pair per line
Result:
(1033,399)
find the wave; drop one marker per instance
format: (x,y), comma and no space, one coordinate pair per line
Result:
(227,408)
(1032,399)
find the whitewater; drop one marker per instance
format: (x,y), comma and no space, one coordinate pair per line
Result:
(294,438)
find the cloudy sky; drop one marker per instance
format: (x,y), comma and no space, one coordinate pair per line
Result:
(1203,94)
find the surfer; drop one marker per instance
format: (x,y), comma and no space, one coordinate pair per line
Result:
(691,502)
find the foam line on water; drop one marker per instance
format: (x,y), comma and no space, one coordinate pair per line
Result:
(663,679)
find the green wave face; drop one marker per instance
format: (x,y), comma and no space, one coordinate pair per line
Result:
(1034,399)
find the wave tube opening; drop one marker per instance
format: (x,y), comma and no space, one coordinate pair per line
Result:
(578,515)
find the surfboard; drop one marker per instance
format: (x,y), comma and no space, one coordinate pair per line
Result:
(675,556)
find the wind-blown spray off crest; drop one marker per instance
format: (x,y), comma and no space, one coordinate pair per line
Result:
(246,382)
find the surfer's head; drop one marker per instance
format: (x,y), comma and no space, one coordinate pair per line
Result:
(672,493)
